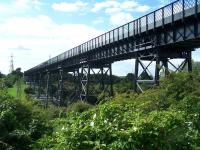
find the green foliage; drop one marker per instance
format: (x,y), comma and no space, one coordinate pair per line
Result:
(79,107)
(1,75)
(166,117)
(11,78)
(29,90)
(125,84)
(22,122)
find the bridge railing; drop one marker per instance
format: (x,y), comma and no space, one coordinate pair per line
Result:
(165,15)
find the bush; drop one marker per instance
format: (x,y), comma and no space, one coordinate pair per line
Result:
(21,122)
(29,90)
(166,117)
(79,107)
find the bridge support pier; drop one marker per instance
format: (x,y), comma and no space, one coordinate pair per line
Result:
(60,87)
(85,76)
(77,86)
(34,83)
(47,89)
(39,85)
(103,72)
(162,65)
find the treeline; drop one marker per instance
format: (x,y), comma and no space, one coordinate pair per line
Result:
(7,81)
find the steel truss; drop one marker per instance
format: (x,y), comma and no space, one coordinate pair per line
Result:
(77,86)
(85,79)
(161,64)
(32,82)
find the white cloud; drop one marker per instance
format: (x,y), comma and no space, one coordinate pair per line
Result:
(129,5)
(143,8)
(2,8)
(27,4)
(22,3)
(33,39)
(98,21)
(106,4)
(69,7)
(164,2)
(113,10)
(121,18)
(112,6)
(119,12)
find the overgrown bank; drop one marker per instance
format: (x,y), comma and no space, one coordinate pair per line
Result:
(165,117)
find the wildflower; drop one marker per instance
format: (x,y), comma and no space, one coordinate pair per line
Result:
(92,124)
(135,129)
(94,116)
(63,128)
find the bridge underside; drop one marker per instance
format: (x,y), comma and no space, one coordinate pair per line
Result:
(159,61)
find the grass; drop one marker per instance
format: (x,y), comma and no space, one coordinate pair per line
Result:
(13,91)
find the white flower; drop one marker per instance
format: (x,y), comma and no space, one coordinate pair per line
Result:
(92,124)
(63,128)
(105,121)
(94,116)
(135,129)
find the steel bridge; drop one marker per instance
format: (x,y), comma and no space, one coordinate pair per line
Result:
(171,32)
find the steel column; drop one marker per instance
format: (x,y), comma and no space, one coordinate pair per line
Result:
(34,86)
(189,61)
(39,85)
(47,89)
(136,74)
(111,80)
(157,70)
(165,65)
(60,87)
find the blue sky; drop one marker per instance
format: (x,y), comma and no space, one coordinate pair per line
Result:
(34,30)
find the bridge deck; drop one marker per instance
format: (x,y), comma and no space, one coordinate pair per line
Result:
(153,30)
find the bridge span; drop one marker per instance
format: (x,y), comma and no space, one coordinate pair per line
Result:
(171,32)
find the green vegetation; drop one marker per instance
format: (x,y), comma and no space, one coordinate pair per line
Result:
(13,90)
(166,117)
(23,122)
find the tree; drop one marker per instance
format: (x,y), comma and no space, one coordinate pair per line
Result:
(1,75)
(130,77)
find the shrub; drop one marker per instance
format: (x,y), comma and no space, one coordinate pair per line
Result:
(29,90)
(79,107)
(166,117)
(21,122)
